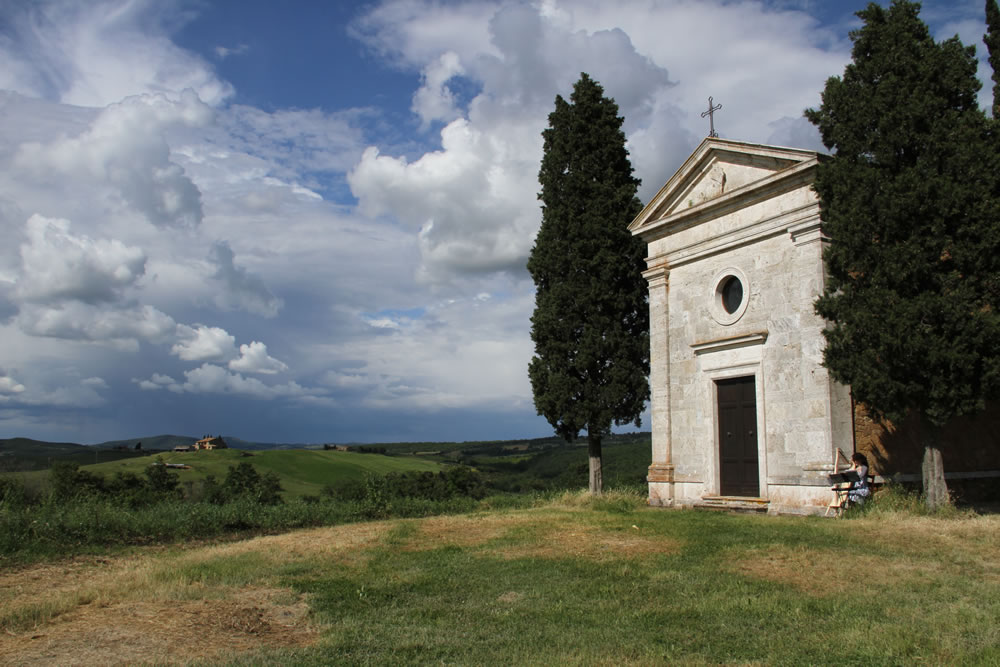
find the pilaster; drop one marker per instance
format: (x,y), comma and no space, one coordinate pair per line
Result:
(661,472)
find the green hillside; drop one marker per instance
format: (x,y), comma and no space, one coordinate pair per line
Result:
(27,446)
(302,471)
(23,454)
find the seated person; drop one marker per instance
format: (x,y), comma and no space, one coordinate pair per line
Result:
(858,491)
(851,486)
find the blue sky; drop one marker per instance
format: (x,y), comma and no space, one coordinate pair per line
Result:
(308,221)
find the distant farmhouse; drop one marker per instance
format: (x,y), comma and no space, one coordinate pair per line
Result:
(210,442)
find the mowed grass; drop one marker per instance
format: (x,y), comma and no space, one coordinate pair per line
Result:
(302,471)
(573,580)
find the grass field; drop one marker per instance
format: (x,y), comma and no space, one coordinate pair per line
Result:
(573,580)
(302,471)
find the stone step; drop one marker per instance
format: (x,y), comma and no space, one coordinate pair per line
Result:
(739,504)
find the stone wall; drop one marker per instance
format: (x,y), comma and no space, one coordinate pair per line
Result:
(970,444)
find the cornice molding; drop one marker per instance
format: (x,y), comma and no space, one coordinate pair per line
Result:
(729,343)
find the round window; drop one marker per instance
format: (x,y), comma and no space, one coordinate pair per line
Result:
(732,294)
(730,297)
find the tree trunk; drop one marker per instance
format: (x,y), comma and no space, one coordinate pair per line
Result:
(594,452)
(935,488)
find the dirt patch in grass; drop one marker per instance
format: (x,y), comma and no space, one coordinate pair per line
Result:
(464,531)
(346,544)
(122,610)
(591,543)
(166,632)
(61,585)
(510,597)
(534,536)
(933,547)
(819,572)
(74,576)
(972,544)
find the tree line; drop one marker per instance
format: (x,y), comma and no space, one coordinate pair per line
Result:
(69,483)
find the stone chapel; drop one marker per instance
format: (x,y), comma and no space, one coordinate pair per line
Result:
(743,411)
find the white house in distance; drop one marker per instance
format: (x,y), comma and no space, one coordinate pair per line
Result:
(743,412)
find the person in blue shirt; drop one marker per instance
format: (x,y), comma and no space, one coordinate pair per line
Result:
(859,491)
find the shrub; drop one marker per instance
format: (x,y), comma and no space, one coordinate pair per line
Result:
(13,493)
(243,482)
(130,489)
(162,481)
(455,482)
(69,482)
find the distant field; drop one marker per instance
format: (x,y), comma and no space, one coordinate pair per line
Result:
(302,471)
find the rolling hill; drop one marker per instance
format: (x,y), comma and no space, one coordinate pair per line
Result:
(302,471)
(29,447)
(22,454)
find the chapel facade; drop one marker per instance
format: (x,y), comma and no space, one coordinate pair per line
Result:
(742,409)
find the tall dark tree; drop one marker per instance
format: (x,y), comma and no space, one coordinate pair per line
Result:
(914,262)
(992,41)
(591,319)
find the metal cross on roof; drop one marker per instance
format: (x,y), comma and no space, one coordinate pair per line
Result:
(711,117)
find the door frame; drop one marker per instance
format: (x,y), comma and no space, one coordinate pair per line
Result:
(752,369)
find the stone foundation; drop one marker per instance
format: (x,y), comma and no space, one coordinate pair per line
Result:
(783,498)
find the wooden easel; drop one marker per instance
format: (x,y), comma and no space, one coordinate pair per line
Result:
(839,490)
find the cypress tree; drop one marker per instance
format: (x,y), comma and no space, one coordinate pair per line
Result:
(591,320)
(907,199)
(992,41)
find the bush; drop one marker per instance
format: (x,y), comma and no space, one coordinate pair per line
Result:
(455,482)
(13,493)
(69,482)
(161,481)
(243,482)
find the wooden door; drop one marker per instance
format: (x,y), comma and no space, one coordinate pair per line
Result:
(738,468)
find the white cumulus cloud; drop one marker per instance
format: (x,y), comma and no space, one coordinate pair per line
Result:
(59,266)
(255,359)
(434,100)
(201,343)
(9,385)
(157,381)
(98,52)
(122,326)
(474,200)
(125,149)
(212,379)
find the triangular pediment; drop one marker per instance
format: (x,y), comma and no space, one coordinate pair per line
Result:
(719,168)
